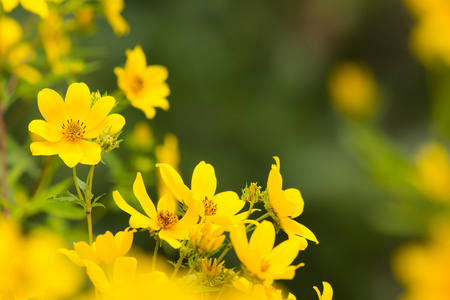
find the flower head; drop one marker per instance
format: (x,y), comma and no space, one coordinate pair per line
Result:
(286,204)
(221,208)
(143,85)
(71,125)
(112,10)
(259,256)
(162,219)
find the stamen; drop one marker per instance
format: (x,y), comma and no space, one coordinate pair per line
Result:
(210,207)
(166,219)
(73,130)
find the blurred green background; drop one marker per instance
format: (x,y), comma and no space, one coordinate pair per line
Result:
(248,81)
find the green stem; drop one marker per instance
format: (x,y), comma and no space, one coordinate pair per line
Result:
(88,201)
(177,267)
(3,162)
(228,247)
(155,252)
(76,183)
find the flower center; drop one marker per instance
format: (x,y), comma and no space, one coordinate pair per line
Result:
(73,130)
(136,84)
(210,207)
(265,265)
(166,219)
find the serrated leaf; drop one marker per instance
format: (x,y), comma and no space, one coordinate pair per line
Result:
(98,204)
(97,198)
(64,196)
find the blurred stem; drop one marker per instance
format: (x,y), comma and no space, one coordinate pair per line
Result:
(88,201)
(177,266)
(155,252)
(228,247)
(3,162)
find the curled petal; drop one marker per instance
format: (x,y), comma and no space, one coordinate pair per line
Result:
(141,194)
(173,242)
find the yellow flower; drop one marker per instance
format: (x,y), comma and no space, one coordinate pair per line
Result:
(10,35)
(112,10)
(143,85)
(353,90)
(287,204)
(161,219)
(30,268)
(257,291)
(259,256)
(104,250)
(71,125)
(38,7)
(206,239)
(220,208)
(423,268)
(433,172)
(327,291)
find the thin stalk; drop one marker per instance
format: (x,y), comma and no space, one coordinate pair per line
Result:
(76,183)
(88,201)
(177,267)
(155,252)
(228,247)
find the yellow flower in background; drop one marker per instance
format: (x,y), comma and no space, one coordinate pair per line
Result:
(433,172)
(10,35)
(162,219)
(327,291)
(71,125)
(38,7)
(141,138)
(220,208)
(104,250)
(17,61)
(423,268)
(143,85)
(256,291)
(30,267)
(287,205)
(353,90)
(112,10)
(260,257)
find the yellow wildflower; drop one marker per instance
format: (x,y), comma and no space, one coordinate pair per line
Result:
(423,267)
(260,258)
(161,219)
(353,90)
(287,204)
(433,172)
(143,85)
(206,239)
(220,208)
(38,7)
(71,125)
(327,291)
(30,267)
(103,251)
(10,34)
(256,291)
(112,10)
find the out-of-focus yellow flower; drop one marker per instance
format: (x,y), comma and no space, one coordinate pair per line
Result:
(10,35)
(163,219)
(429,39)
(104,250)
(85,16)
(204,238)
(112,10)
(38,7)
(70,125)
(141,137)
(353,90)
(220,208)
(143,85)
(57,44)
(17,60)
(260,258)
(423,267)
(287,205)
(433,172)
(30,267)
(258,291)
(327,291)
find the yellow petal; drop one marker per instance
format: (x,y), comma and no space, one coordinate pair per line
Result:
(327,291)
(141,194)
(38,7)
(71,254)
(181,229)
(123,241)
(292,227)
(46,148)
(71,153)
(263,239)
(275,181)
(113,123)
(204,181)
(105,247)
(92,152)
(30,74)
(173,181)
(136,60)
(238,237)
(167,203)
(47,131)
(85,252)
(137,219)
(228,203)
(78,101)
(99,111)
(155,74)
(295,197)
(124,270)
(52,107)
(173,242)
(9,5)
(98,278)
(283,255)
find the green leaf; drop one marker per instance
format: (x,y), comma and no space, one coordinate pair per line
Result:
(66,210)
(98,204)
(81,184)
(64,196)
